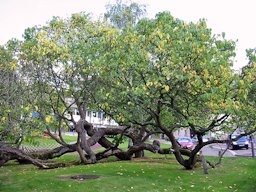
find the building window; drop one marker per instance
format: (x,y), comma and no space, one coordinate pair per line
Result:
(100,115)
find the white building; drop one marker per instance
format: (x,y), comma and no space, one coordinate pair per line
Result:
(98,119)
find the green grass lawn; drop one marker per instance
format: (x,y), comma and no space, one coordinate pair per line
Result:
(42,140)
(45,142)
(150,174)
(154,173)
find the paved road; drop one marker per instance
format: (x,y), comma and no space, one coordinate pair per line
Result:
(213,150)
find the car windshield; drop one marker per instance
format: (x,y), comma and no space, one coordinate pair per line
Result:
(184,140)
(242,139)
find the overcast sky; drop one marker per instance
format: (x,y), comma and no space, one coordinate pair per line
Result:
(234,17)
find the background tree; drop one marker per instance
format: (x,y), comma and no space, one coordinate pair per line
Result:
(246,117)
(124,15)
(13,113)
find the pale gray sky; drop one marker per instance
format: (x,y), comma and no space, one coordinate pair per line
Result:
(234,17)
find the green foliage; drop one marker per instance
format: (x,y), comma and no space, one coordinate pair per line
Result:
(12,113)
(179,68)
(31,140)
(161,72)
(58,61)
(251,54)
(123,15)
(119,140)
(246,114)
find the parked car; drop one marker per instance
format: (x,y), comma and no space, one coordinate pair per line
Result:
(186,142)
(242,142)
(45,134)
(195,140)
(205,139)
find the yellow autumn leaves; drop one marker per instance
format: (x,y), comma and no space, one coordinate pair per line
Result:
(155,84)
(48,119)
(224,105)
(166,88)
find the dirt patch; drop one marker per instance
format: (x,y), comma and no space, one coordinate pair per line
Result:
(80,177)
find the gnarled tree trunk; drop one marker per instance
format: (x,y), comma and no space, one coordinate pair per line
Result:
(10,153)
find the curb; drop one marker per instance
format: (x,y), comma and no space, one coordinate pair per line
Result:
(233,152)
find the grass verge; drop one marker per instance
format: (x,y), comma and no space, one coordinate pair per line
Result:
(150,174)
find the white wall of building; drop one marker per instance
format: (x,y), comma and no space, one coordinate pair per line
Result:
(96,118)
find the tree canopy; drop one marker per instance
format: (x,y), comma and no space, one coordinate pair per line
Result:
(155,75)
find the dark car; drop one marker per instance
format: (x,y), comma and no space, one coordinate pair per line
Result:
(186,142)
(240,143)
